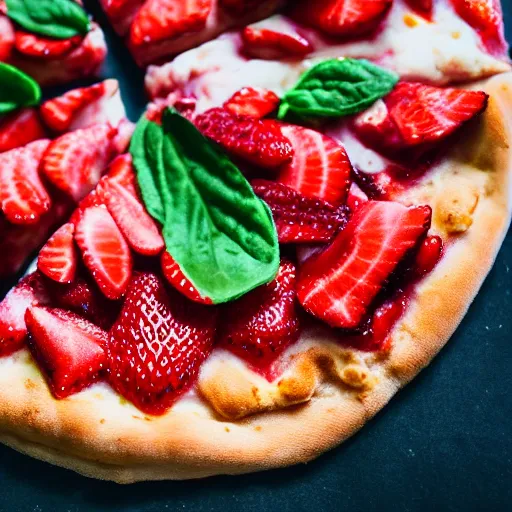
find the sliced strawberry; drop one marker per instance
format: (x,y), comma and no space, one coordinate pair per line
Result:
(59,112)
(75,161)
(177,279)
(262,324)
(94,198)
(7,38)
(69,349)
(356,197)
(30,291)
(58,258)
(320,167)
(252,102)
(158,20)
(342,17)
(417,116)
(158,344)
(429,254)
(104,250)
(486,17)
(19,128)
(262,43)
(132,218)
(339,284)
(423,7)
(84,298)
(300,219)
(23,197)
(259,141)
(40,47)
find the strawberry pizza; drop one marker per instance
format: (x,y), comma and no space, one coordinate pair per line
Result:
(296,226)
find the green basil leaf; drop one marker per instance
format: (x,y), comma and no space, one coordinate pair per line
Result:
(60,19)
(219,232)
(17,89)
(336,88)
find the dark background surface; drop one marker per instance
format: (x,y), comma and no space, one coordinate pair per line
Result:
(443,443)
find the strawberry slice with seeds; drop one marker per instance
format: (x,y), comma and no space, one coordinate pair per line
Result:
(486,17)
(262,43)
(130,215)
(58,113)
(178,280)
(104,250)
(75,161)
(320,167)
(158,344)
(342,17)
(39,47)
(69,349)
(23,197)
(259,141)
(19,128)
(58,258)
(30,291)
(339,284)
(252,102)
(262,324)
(300,219)
(158,20)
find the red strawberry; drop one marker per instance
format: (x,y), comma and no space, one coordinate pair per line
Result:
(252,102)
(177,279)
(158,20)
(19,128)
(75,161)
(83,297)
(262,43)
(121,12)
(429,254)
(69,349)
(104,250)
(94,198)
(320,167)
(40,47)
(486,17)
(158,344)
(130,215)
(59,112)
(58,258)
(342,17)
(417,116)
(339,284)
(6,38)
(300,219)
(423,7)
(259,141)
(23,197)
(356,197)
(30,291)
(262,324)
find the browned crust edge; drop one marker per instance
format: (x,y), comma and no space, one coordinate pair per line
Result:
(98,435)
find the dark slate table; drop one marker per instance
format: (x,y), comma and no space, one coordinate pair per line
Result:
(443,443)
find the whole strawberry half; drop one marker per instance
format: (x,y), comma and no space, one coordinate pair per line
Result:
(339,284)
(342,18)
(259,141)
(69,349)
(415,117)
(19,128)
(30,291)
(320,167)
(300,219)
(252,102)
(158,344)
(259,326)
(23,197)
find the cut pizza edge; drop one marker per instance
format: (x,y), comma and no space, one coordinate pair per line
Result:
(327,393)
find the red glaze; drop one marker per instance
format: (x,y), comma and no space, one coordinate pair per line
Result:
(429,254)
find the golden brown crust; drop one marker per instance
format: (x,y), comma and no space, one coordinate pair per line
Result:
(326,393)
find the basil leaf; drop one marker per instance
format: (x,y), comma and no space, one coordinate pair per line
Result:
(17,89)
(337,87)
(219,232)
(60,19)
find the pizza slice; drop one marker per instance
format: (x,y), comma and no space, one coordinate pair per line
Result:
(45,163)
(53,41)
(158,29)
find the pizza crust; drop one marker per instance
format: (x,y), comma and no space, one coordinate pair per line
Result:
(326,394)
